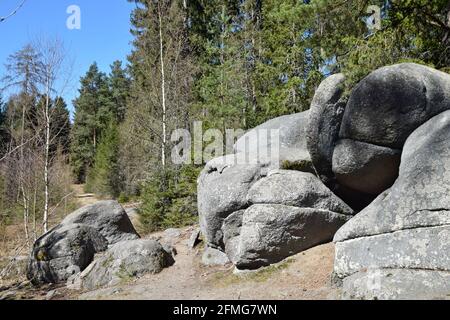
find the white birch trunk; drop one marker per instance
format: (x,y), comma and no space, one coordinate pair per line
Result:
(46,157)
(163,92)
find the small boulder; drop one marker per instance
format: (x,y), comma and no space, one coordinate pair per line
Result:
(194,239)
(214,257)
(124,261)
(70,247)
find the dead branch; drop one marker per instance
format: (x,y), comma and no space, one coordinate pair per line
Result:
(13,12)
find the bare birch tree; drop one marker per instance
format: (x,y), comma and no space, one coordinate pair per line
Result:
(54,77)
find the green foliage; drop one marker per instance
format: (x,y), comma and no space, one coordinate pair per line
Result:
(104,177)
(232,64)
(170,199)
(101,100)
(120,87)
(92,113)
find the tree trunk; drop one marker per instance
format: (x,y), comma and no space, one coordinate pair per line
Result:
(163,91)
(46,157)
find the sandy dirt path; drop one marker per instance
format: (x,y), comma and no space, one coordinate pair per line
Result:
(303,276)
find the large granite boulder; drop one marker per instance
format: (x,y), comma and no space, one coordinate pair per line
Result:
(325,117)
(124,261)
(382,111)
(393,101)
(62,252)
(408,226)
(70,247)
(290,212)
(291,144)
(225,181)
(108,217)
(273,232)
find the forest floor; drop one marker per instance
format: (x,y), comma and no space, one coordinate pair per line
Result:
(305,276)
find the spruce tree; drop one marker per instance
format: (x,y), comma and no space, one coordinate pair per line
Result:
(93,111)
(120,90)
(104,177)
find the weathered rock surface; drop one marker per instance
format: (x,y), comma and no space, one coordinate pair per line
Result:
(124,261)
(231,230)
(214,257)
(382,111)
(397,284)
(408,226)
(62,252)
(108,217)
(421,248)
(194,239)
(392,102)
(222,190)
(324,125)
(365,167)
(70,247)
(297,189)
(292,139)
(271,233)
(420,196)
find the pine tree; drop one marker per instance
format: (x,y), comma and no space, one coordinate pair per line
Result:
(104,177)
(120,90)
(60,126)
(220,91)
(93,111)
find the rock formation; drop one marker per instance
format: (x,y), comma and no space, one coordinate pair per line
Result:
(244,205)
(385,151)
(68,249)
(407,228)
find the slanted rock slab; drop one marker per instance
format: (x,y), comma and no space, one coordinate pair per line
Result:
(397,284)
(324,124)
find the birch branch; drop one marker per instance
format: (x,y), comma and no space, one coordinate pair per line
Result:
(13,12)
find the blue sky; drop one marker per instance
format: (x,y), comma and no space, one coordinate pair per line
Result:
(104,35)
